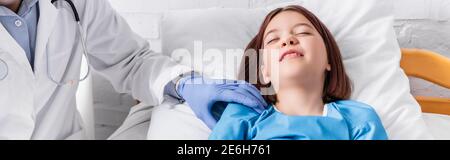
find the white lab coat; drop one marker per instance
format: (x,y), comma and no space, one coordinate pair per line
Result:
(33,107)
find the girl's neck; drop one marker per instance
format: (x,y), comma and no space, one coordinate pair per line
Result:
(14,6)
(300,101)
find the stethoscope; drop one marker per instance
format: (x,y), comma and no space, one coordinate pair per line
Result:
(83,44)
(4,66)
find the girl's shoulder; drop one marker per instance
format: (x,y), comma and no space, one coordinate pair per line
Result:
(236,110)
(357,113)
(352,106)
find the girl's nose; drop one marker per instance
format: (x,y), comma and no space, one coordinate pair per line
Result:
(290,41)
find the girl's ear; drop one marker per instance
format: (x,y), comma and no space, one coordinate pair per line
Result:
(328,67)
(265,74)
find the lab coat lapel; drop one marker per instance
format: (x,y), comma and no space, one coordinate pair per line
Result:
(9,44)
(47,20)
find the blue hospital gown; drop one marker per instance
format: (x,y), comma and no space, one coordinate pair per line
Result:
(344,120)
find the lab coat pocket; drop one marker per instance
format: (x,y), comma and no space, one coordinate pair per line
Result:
(12,74)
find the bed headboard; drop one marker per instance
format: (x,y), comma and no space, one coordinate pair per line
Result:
(432,67)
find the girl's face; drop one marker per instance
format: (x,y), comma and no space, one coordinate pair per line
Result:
(294,52)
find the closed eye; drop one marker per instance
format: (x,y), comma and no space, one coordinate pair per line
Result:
(303,33)
(272,40)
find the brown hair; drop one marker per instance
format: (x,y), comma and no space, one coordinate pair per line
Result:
(337,85)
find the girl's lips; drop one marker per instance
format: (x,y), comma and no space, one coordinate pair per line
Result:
(291,53)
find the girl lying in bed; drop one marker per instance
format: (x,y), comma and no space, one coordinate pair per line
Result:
(301,63)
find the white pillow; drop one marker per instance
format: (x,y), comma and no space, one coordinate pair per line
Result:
(211,41)
(363,30)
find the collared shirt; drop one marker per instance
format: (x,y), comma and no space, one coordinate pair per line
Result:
(22,26)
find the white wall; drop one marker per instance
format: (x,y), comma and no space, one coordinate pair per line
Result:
(419,23)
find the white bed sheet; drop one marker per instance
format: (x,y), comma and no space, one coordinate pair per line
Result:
(172,121)
(438,124)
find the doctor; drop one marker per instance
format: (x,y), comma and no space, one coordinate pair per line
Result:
(40,57)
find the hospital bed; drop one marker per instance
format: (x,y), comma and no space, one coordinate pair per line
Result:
(434,68)
(418,63)
(415,62)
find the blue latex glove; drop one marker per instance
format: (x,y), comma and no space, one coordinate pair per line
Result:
(202,95)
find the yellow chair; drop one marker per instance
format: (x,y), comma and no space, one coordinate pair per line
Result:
(432,67)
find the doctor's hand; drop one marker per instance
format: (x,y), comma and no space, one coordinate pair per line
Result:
(202,95)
